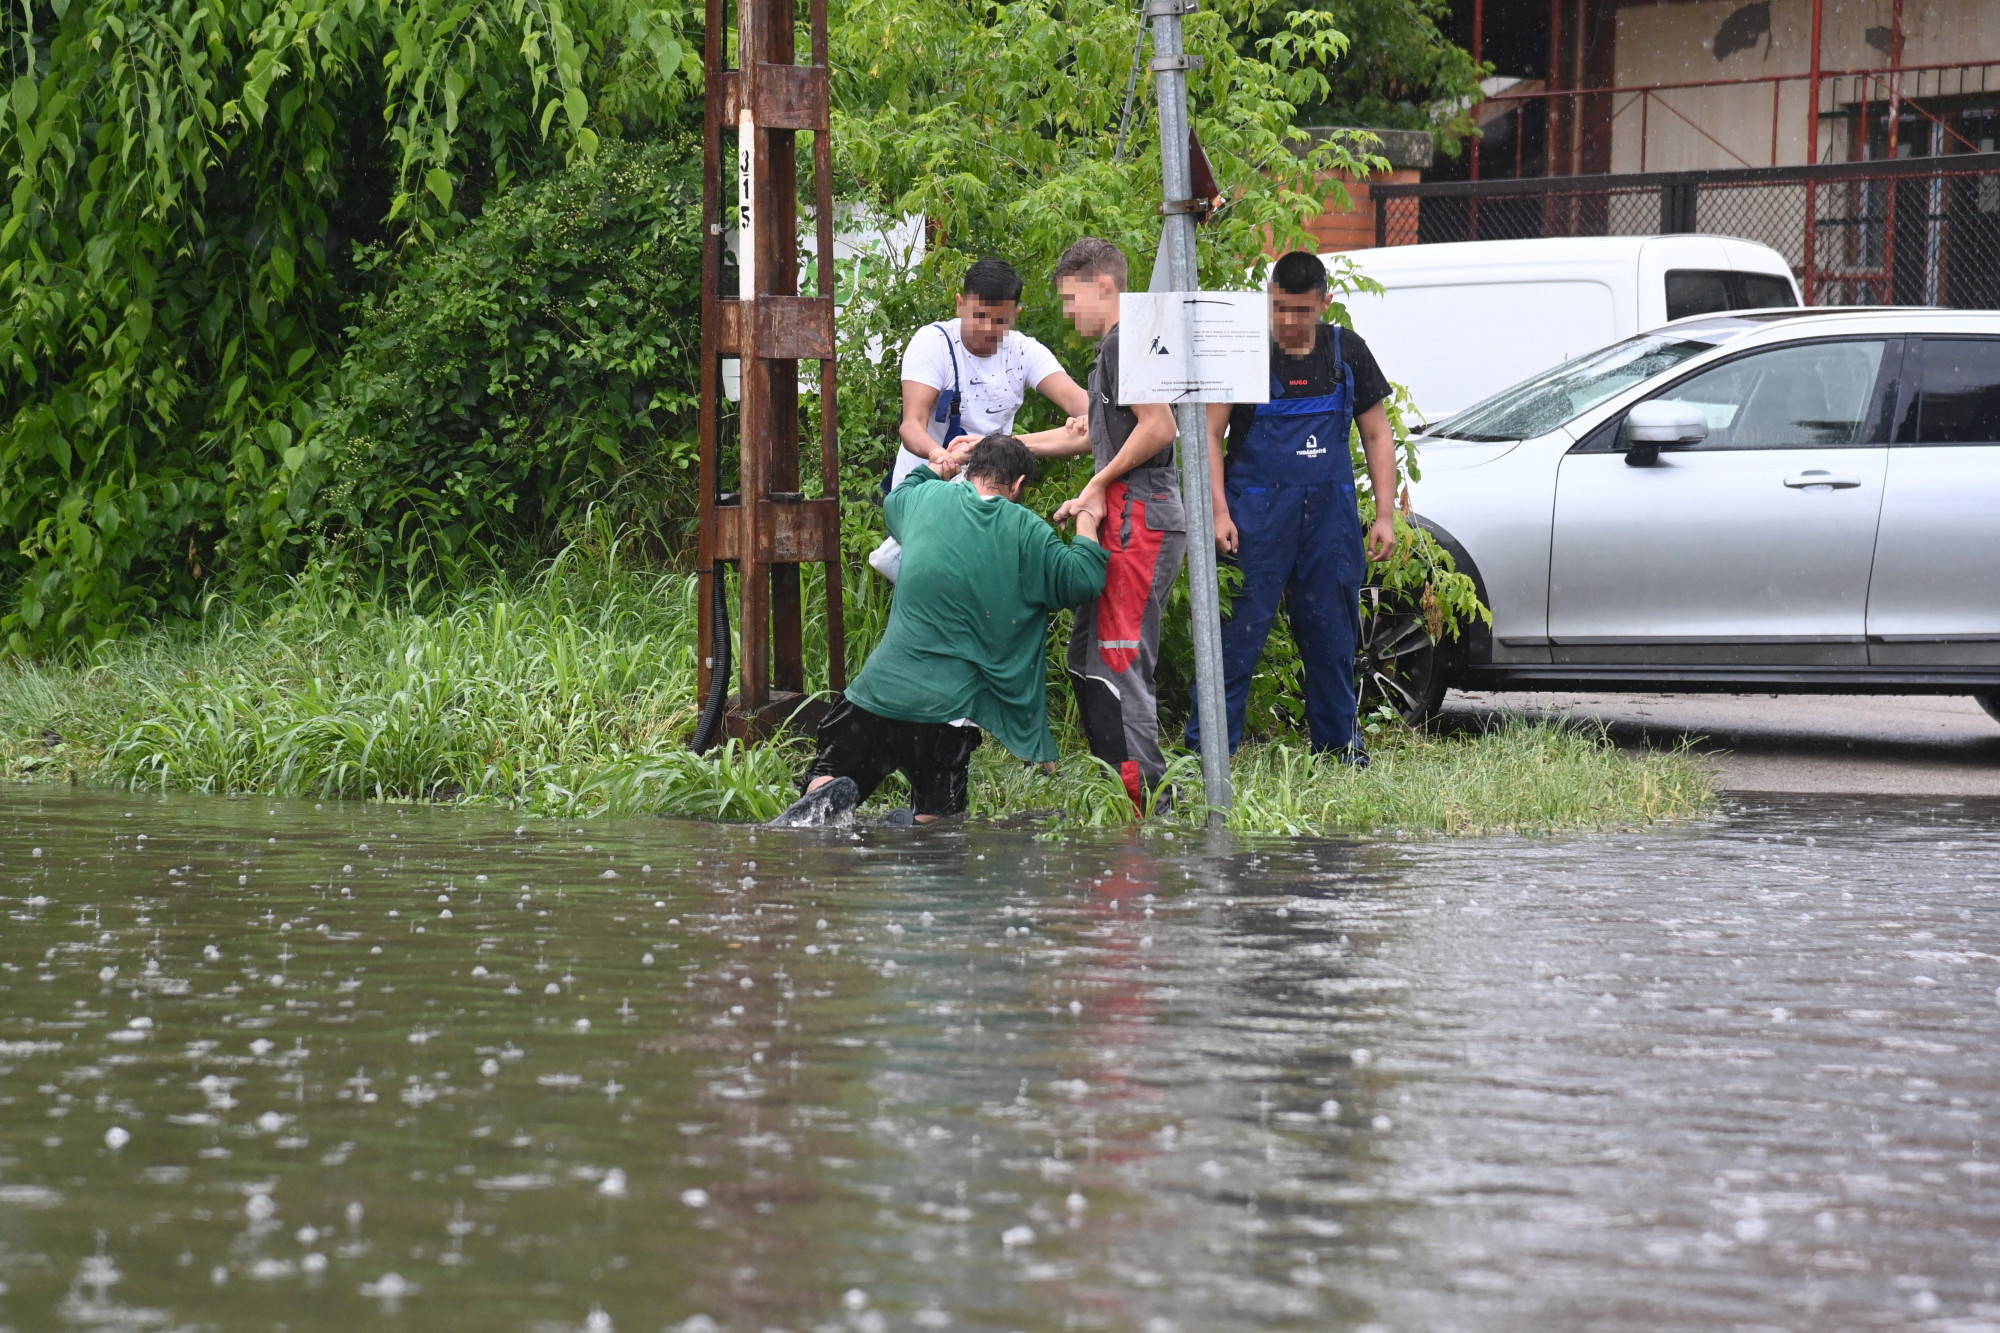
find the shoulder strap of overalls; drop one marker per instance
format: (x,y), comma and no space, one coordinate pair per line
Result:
(951,352)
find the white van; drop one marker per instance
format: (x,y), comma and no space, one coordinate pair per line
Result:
(1461,321)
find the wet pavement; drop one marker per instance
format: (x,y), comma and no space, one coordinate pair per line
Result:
(1848,744)
(270,1066)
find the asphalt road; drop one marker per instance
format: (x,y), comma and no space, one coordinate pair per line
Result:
(1917,745)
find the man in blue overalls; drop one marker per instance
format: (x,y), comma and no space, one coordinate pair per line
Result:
(1285,507)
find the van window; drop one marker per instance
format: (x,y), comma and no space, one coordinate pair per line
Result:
(1704,291)
(1762,291)
(1696,291)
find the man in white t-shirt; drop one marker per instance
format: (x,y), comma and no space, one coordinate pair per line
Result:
(965,378)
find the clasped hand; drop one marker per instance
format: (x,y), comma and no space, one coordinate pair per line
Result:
(1087,502)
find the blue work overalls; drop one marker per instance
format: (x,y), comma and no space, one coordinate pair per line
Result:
(1290,487)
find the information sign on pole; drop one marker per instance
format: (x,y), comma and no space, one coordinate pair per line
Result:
(1194,347)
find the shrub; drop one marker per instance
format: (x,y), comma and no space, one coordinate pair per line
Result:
(538,365)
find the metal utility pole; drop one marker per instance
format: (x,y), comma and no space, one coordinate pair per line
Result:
(765,526)
(1180,210)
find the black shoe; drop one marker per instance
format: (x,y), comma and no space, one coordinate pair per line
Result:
(901,817)
(830,805)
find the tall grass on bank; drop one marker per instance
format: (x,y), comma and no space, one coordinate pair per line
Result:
(573,694)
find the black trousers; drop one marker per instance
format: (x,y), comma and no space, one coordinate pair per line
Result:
(934,756)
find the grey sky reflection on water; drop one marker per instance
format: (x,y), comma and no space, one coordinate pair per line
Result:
(656,1075)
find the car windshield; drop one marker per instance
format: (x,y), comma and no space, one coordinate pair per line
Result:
(1537,406)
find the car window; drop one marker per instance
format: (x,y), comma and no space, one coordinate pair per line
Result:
(1812,396)
(1558,396)
(1696,291)
(1959,402)
(1764,290)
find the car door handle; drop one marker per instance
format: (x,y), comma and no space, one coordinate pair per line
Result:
(1808,480)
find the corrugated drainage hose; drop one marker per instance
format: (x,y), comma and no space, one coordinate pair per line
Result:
(709,729)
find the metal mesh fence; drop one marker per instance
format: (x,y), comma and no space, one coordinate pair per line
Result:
(1917,231)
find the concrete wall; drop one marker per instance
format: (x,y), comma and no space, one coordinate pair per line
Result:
(1700,128)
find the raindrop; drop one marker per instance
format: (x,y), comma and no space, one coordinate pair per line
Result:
(1752,1229)
(211,953)
(1382,1122)
(218,1274)
(117,1137)
(583,1025)
(306,1235)
(1013,1236)
(313,1263)
(855,1299)
(479,879)
(1362,1055)
(647,870)
(105,974)
(444,897)
(646,958)
(1329,1109)
(553,988)
(597,1321)
(695,1198)
(613,1184)
(1076,1203)
(38,851)
(242,879)
(490,1067)
(260,1207)
(389,1287)
(347,870)
(444,914)
(354,1213)
(270,1122)
(612,874)
(261,1046)
(479,970)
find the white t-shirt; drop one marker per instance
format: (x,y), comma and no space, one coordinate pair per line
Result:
(991,388)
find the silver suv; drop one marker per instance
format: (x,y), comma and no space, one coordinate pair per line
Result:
(1782,500)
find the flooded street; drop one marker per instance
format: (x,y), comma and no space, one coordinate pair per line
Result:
(272,1066)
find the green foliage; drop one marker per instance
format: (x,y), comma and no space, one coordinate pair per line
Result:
(184,181)
(536,367)
(573,693)
(1401,71)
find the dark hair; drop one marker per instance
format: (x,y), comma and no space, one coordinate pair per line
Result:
(993,279)
(1092,258)
(1001,460)
(1299,274)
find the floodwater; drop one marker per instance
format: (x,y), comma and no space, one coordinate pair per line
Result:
(273,1066)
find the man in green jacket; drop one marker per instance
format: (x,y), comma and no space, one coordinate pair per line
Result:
(964,651)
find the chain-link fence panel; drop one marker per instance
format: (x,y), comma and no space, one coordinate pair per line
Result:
(1922,231)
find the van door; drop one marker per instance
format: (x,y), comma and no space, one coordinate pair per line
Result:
(1750,548)
(1935,596)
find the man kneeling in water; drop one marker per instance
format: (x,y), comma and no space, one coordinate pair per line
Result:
(965,648)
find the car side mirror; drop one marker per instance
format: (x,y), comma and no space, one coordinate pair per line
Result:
(1661,423)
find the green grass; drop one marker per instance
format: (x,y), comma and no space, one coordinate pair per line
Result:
(573,694)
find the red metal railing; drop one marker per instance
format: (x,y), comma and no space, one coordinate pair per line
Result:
(1886,84)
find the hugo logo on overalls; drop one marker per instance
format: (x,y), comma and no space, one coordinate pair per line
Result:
(1284,449)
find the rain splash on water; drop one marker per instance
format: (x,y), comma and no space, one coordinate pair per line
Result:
(273,1065)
